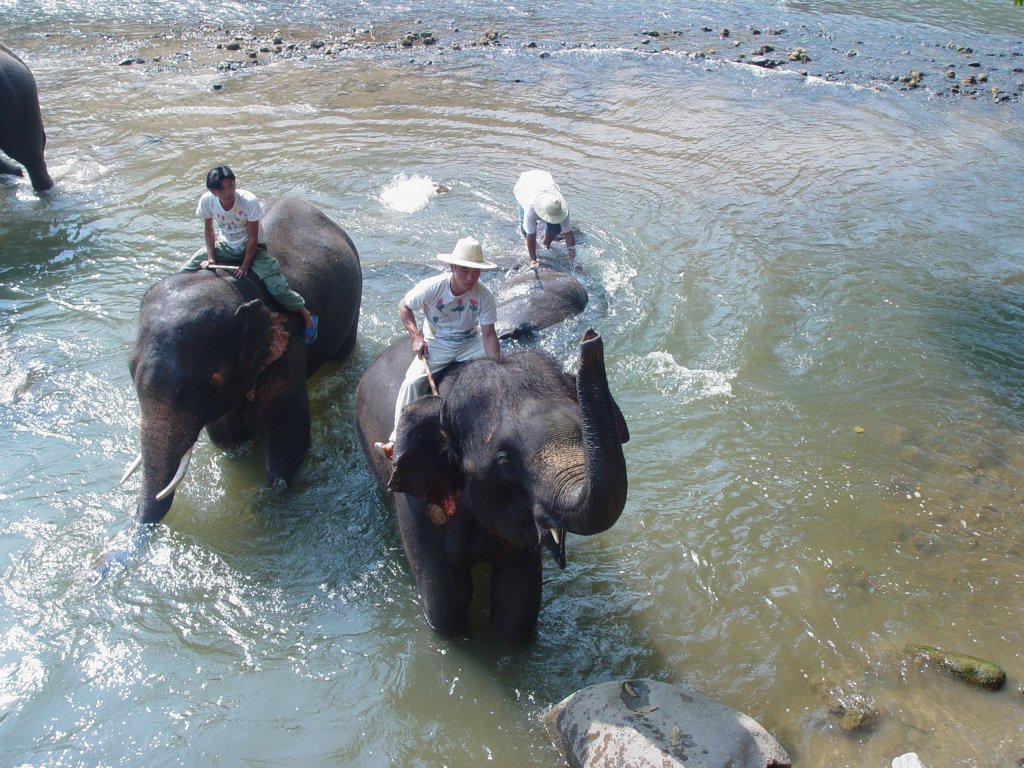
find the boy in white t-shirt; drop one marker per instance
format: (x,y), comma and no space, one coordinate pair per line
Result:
(459,313)
(233,234)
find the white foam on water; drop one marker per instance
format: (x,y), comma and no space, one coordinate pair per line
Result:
(681,384)
(408,194)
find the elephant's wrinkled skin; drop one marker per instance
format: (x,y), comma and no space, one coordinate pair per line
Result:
(22,137)
(530,301)
(204,357)
(513,454)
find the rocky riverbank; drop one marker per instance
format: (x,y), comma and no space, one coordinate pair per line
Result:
(949,69)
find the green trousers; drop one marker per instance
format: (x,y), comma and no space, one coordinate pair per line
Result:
(263,264)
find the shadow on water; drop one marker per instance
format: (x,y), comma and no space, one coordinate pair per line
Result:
(982,324)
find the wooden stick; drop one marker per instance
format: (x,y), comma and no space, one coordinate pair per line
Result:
(430,377)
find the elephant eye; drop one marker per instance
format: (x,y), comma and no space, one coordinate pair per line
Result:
(194,393)
(502,459)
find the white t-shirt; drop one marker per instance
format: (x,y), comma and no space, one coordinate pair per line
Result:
(531,184)
(233,225)
(447,317)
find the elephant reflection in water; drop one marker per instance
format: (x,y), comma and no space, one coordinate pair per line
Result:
(204,357)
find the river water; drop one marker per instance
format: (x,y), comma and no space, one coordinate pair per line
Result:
(811,294)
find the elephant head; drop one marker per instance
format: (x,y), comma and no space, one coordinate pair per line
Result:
(512,454)
(196,363)
(196,360)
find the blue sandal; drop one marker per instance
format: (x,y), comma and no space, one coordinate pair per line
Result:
(311,330)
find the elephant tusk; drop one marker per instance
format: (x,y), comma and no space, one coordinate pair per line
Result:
(130,469)
(557,545)
(182,469)
(556,534)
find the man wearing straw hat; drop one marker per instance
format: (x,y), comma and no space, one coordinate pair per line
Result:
(540,201)
(459,313)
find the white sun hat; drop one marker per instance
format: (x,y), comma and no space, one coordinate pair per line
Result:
(550,206)
(467,253)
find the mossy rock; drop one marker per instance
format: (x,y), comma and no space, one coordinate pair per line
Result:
(967,669)
(850,709)
(854,713)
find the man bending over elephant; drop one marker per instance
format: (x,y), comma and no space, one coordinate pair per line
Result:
(541,204)
(459,313)
(233,231)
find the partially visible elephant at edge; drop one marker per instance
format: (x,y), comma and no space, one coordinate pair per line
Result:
(513,454)
(22,137)
(204,357)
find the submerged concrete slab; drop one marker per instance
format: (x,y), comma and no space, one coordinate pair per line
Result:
(650,724)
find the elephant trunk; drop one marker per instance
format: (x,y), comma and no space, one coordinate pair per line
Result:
(125,546)
(597,502)
(164,460)
(165,457)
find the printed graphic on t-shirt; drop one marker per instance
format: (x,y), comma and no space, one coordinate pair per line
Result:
(232,224)
(452,313)
(454,309)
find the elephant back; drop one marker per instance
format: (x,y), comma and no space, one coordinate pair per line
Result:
(529,302)
(321,263)
(17,85)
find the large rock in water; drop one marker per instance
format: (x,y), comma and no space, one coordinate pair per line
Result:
(649,724)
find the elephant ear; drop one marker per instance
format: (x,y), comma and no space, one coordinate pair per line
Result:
(424,463)
(264,340)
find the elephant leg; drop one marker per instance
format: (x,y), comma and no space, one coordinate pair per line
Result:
(348,345)
(285,435)
(515,595)
(35,165)
(7,168)
(445,591)
(229,430)
(282,415)
(41,180)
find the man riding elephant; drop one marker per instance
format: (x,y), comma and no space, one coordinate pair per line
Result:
(513,454)
(459,314)
(234,236)
(208,357)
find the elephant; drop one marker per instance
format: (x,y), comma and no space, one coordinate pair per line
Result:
(22,137)
(207,357)
(531,301)
(507,458)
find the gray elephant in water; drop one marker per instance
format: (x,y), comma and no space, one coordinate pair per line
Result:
(22,137)
(206,356)
(530,301)
(512,454)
